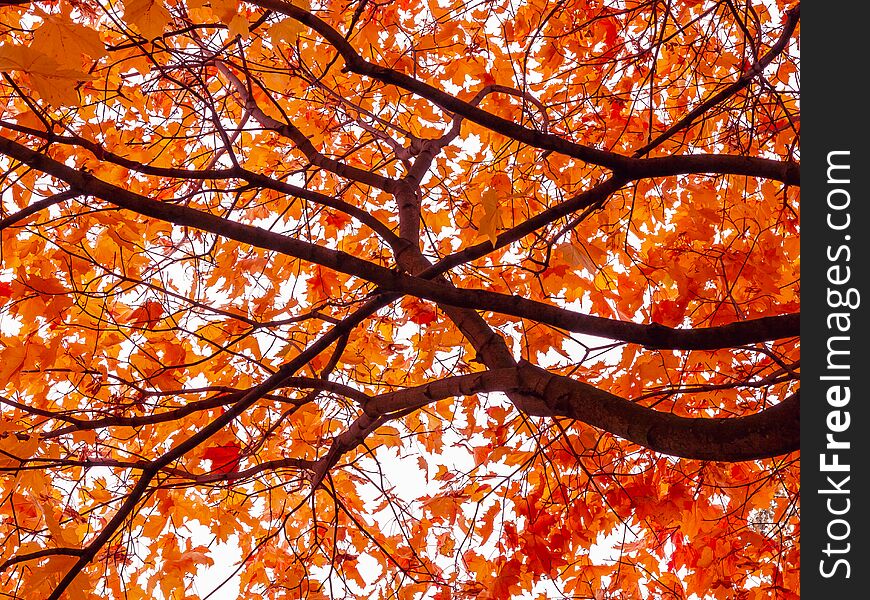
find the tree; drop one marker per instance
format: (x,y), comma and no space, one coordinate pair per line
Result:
(264,261)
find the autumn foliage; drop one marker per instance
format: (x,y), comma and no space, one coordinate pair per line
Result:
(399,299)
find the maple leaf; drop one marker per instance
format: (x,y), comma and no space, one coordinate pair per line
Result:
(286,30)
(14,450)
(491,220)
(225,458)
(55,83)
(338,220)
(66,41)
(421,313)
(147,315)
(322,283)
(149,16)
(669,312)
(506,580)
(228,12)
(15,355)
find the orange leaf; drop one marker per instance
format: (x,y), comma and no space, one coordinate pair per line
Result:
(56,84)
(149,16)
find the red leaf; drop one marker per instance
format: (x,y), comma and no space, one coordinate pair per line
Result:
(421,313)
(669,312)
(224,459)
(337,220)
(147,315)
(507,579)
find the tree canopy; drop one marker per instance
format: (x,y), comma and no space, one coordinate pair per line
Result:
(400,298)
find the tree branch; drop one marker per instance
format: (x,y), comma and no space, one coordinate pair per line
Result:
(182,448)
(792,18)
(772,432)
(656,336)
(625,166)
(36,207)
(215,174)
(304,145)
(189,408)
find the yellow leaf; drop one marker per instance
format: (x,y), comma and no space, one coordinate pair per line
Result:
(388,436)
(287,31)
(149,16)
(225,10)
(576,257)
(53,82)
(58,533)
(238,26)
(65,536)
(492,220)
(228,12)
(58,565)
(601,281)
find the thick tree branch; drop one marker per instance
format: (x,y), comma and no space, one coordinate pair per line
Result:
(625,166)
(378,410)
(772,432)
(656,336)
(723,164)
(134,138)
(544,394)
